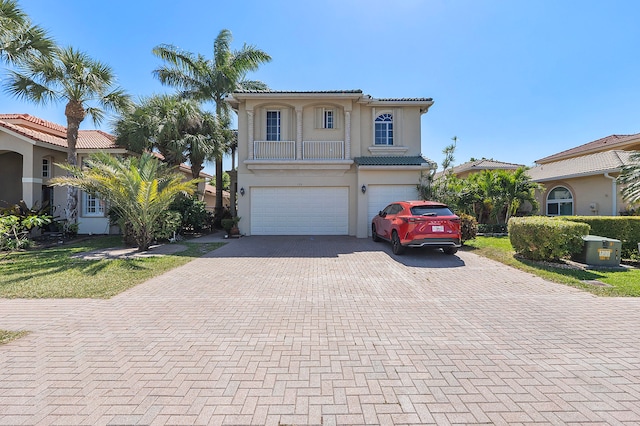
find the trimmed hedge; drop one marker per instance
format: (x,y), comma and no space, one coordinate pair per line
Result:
(543,238)
(623,228)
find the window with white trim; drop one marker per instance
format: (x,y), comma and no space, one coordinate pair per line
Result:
(92,205)
(46,170)
(559,202)
(384,129)
(273,125)
(327,119)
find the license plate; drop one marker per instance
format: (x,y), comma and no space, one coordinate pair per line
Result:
(437,228)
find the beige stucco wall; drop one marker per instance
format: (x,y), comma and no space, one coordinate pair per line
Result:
(406,124)
(586,191)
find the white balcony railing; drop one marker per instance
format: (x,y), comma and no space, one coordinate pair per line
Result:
(286,150)
(274,150)
(323,150)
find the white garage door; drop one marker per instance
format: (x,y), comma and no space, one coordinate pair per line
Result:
(300,211)
(380,196)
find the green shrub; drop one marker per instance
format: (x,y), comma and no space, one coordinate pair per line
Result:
(193,212)
(14,228)
(543,238)
(468,227)
(623,228)
(168,224)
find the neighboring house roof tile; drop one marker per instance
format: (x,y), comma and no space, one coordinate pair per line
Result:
(40,130)
(586,165)
(392,161)
(485,164)
(479,165)
(606,143)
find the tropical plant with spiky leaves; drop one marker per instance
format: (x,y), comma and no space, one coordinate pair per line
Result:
(211,80)
(85,85)
(630,178)
(138,189)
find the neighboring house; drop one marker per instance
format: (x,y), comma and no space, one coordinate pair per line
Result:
(475,166)
(582,180)
(29,149)
(324,163)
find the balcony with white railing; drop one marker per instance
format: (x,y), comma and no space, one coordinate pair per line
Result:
(274,150)
(286,150)
(323,150)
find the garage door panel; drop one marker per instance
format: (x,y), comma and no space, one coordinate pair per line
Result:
(379,196)
(300,211)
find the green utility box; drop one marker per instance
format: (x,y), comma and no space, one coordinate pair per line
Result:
(600,251)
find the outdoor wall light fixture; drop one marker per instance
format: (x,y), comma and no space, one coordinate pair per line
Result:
(242,191)
(363,189)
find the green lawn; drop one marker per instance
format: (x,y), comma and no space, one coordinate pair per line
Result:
(7,336)
(53,273)
(624,283)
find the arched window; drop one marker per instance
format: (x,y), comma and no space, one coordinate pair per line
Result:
(384,129)
(559,202)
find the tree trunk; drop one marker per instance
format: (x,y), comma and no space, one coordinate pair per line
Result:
(219,172)
(75,114)
(219,208)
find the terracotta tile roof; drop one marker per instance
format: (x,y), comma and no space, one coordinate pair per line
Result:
(417,160)
(44,131)
(31,119)
(603,144)
(586,165)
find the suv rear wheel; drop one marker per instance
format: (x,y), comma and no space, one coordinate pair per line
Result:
(396,247)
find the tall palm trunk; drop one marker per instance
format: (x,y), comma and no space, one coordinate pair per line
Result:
(219,208)
(75,114)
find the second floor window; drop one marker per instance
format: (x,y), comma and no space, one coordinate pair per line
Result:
(273,125)
(384,129)
(327,120)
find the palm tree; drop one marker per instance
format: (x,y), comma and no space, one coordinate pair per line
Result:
(211,79)
(19,38)
(72,77)
(517,188)
(138,189)
(630,176)
(175,127)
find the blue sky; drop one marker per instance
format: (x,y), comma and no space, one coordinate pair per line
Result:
(514,80)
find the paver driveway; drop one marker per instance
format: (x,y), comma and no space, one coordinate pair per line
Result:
(325,330)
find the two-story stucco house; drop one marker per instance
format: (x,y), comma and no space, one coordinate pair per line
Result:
(324,162)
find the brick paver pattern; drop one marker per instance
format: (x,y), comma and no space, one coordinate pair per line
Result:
(325,330)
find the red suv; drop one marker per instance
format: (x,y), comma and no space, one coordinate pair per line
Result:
(417,224)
